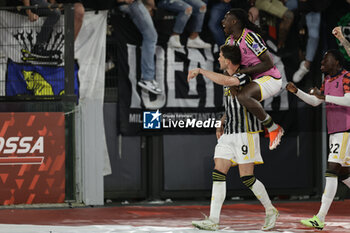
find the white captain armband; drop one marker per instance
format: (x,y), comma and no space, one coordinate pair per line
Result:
(243,78)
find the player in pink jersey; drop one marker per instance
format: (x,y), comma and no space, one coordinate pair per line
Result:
(335,91)
(257,62)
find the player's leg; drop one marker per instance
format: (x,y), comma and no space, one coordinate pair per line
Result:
(251,95)
(249,154)
(246,172)
(219,188)
(223,154)
(218,196)
(344,176)
(329,190)
(327,197)
(336,158)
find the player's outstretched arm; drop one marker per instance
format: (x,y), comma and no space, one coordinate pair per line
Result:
(307,98)
(339,35)
(217,78)
(339,100)
(192,74)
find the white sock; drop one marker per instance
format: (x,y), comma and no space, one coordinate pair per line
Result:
(273,126)
(218,196)
(347,182)
(327,197)
(260,192)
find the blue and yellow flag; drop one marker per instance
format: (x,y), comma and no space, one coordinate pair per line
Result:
(38,80)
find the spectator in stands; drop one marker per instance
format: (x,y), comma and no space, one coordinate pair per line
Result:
(217,13)
(335,14)
(186,9)
(52,17)
(277,8)
(79,12)
(337,32)
(142,19)
(313,22)
(253,15)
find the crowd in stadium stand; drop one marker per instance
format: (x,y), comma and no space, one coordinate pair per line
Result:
(291,25)
(298,25)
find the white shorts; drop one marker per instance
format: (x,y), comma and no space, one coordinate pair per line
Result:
(240,148)
(269,86)
(339,149)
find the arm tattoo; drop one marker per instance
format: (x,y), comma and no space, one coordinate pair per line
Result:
(346,45)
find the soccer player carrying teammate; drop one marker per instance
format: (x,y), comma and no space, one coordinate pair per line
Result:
(257,62)
(238,141)
(335,91)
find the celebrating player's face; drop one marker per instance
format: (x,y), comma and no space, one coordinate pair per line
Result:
(227,24)
(222,61)
(327,63)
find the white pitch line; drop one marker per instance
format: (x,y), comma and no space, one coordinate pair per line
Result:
(19,228)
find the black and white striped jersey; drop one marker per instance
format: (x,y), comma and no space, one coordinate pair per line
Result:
(238,118)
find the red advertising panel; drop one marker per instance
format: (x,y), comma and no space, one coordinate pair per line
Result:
(32,158)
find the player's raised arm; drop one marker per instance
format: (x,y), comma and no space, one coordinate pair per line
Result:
(217,78)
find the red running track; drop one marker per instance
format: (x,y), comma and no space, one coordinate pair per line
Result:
(236,217)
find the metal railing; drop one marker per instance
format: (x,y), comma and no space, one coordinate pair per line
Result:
(32,69)
(34,82)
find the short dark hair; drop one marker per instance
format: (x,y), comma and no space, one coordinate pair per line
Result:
(231,52)
(338,56)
